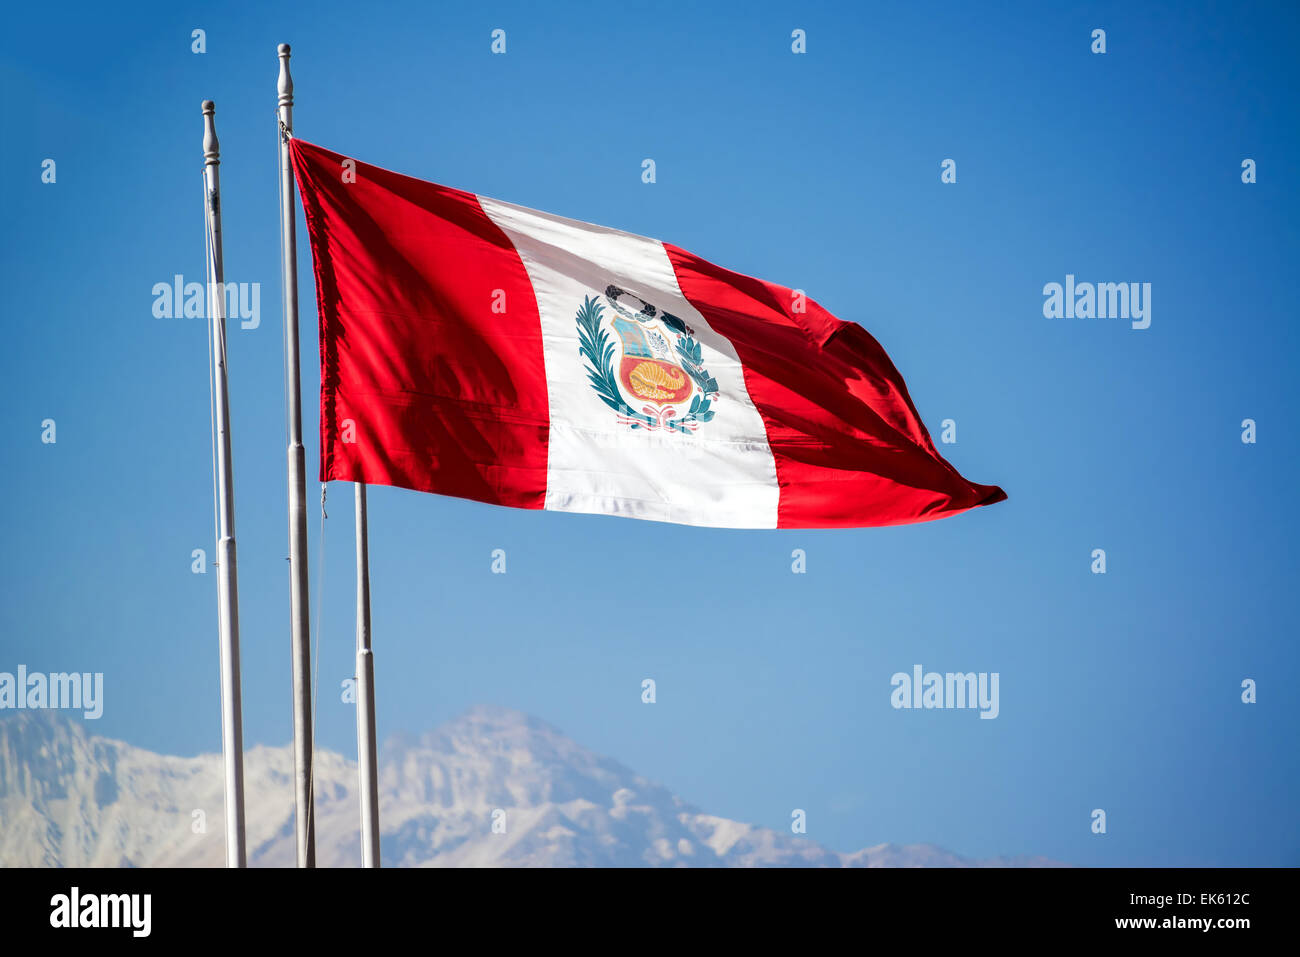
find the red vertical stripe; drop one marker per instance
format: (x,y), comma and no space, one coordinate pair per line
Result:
(849,446)
(444,394)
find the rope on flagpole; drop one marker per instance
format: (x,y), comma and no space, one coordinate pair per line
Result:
(320,595)
(212,400)
(284,136)
(284,362)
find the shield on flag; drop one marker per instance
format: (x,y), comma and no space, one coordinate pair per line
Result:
(648,370)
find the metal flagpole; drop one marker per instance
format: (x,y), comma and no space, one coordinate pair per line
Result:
(232,735)
(367,759)
(300,612)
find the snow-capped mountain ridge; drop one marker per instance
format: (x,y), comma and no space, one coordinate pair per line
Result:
(71,798)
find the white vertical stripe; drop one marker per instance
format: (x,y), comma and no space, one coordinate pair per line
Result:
(722,475)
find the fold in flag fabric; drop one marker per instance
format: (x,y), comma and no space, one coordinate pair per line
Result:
(475,348)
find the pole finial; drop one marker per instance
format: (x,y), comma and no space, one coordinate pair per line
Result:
(285,85)
(211,148)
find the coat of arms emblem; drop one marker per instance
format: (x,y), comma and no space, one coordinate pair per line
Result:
(658,381)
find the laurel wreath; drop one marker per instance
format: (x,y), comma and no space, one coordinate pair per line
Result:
(594,344)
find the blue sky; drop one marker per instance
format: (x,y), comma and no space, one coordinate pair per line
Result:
(822,171)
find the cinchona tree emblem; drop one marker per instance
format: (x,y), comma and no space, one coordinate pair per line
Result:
(653,377)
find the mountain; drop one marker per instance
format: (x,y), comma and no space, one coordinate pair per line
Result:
(74,799)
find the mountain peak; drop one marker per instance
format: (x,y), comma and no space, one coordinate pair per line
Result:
(497,720)
(491,787)
(481,727)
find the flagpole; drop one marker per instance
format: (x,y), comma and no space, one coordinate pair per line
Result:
(232,734)
(299,607)
(367,759)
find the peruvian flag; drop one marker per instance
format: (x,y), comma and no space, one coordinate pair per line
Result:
(475,348)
